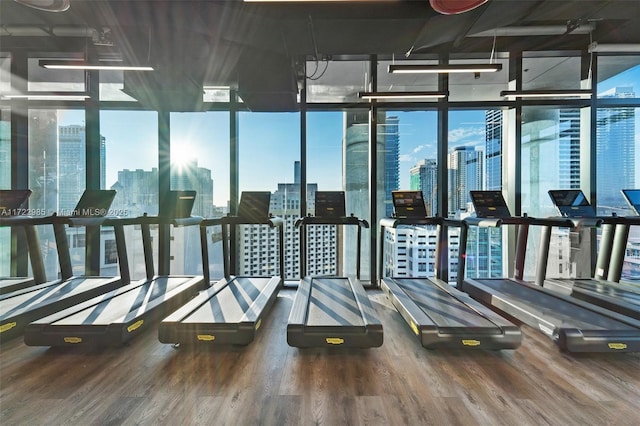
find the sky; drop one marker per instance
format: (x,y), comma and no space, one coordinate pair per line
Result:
(269,142)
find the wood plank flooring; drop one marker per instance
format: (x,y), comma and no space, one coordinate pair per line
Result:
(270,383)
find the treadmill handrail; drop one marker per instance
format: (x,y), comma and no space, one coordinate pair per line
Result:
(319,220)
(231,221)
(272,221)
(496,222)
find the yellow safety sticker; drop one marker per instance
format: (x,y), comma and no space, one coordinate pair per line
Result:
(470,342)
(258,323)
(414,327)
(206,337)
(8,326)
(617,346)
(73,339)
(334,340)
(136,325)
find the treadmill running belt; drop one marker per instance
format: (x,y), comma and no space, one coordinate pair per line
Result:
(606,294)
(577,326)
(333,311)
(444,317)
(115,317)
(230,312)
(445,310)
(19,308)
(333,304)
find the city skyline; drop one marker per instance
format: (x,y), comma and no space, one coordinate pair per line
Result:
(273,138)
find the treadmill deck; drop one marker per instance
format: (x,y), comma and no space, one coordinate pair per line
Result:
(333,311)
(443,317)
(230,312)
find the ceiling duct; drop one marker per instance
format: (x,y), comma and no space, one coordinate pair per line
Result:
(267,82)
(165,89)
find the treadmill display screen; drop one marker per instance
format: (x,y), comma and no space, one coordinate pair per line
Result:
(11,201)
(633,198)
(330,204)
(179,204)
(489,204)
(94,202)
(254,206)
(572,203)
(408,204)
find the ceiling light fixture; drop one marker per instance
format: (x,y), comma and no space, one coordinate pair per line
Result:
(402,95)
(513,94)
(443,69)
(83,65)
(47,96)
(614,48)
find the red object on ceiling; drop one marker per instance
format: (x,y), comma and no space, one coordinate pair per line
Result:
(452,7)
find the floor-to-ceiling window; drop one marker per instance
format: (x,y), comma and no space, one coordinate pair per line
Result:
(129,145)
(618,145)
(551,159)
(200,162)
(269,160)
(474,163)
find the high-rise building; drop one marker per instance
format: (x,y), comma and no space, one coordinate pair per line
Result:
(391,160)
(424,177)
(137,192)
(71,166)
(493,149)
(465,174)
(409,251)
(189,176)
(259,244)
(356,185)
(615,149)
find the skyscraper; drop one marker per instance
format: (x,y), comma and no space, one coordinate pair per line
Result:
(259,243)
(465,174)
(493,149)
(424,177)
(72,159)
(391,160)
(615,149)
(189,176)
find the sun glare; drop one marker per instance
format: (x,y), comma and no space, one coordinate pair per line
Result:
(182,155)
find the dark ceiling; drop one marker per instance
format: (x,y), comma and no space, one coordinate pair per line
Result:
(255,46)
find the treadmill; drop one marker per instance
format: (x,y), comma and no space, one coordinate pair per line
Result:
(18,308)
(232,309)
(440,315)
(575,326)
(621,298)
(114,318)
(13,215)
(331,311)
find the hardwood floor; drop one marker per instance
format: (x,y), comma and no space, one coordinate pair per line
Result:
(270,383)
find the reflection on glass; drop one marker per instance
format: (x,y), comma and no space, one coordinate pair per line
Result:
(551,160)
(5,183)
